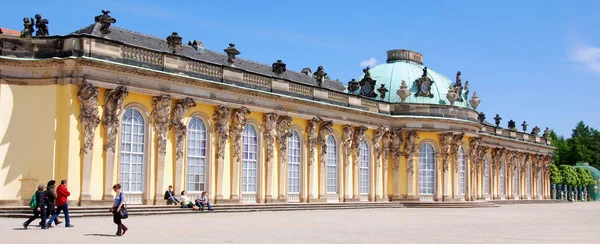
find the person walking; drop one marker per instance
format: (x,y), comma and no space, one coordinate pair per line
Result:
(40,207)
(50,205)
(62,193)
(116,209)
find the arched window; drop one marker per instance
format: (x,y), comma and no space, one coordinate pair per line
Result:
(502,176)
(331,165)
(426,169)
(515,178)
(462,164)
(249,159)
(363,170)
(486,175)
(196,155)
(528,180)
(133,138)
(294,152)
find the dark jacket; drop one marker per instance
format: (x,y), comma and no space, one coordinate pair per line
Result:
(50,196)
(169,194)
(40,199)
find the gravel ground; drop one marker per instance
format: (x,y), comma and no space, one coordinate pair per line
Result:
(535,223)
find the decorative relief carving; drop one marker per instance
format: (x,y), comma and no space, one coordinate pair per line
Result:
(547,162)
(270,132)
(161,109)
(311,132)
(367,84)
(88,105)
(410,148)
(180,109)
(424,85)
(113,108)
(238,123)
(456,144)
(377,136)
(538,165)
(445,148)
(387,141)
(347,134)
(524,164)
(508,159)
(221,117)
(283,132)
(359,136)
(473,152)
(497,154)
(325,129)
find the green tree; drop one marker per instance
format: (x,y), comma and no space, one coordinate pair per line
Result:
(585,176)
(555,175)
(561,154)
(584,145)
(569,175)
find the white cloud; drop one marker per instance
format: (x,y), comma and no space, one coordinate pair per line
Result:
(369,62)
(586,55)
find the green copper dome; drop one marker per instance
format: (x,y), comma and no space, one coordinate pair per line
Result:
(593,190)
(407,65)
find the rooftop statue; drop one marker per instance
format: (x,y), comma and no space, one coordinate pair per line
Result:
(27,27)
(231,53)
(41,25)
(279,67)
(458,88)
(105,20)
(320,75)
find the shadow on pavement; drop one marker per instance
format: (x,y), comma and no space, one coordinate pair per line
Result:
(103,235)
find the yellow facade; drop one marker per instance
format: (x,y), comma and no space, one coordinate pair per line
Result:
(145,101)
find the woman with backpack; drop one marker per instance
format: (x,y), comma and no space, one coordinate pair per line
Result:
(116,210)
(38,204)
(50,206)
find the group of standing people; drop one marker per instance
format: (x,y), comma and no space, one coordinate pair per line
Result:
(49,203)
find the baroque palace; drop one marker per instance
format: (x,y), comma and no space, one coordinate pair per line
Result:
(104,105)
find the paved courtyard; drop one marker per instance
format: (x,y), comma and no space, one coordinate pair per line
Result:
(548,223)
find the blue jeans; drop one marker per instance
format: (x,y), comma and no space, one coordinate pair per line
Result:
(65,209)
(199,204)
(174,199)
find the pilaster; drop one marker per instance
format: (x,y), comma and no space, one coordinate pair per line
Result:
(89,119)
(161,110)
(113,108)
(221,117)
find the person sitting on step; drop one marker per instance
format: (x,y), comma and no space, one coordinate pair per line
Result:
(203,200)
(186,202)
(170,196)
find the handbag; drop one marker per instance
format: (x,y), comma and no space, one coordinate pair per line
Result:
(123,212)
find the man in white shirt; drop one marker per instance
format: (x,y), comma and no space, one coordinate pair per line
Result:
(203,200)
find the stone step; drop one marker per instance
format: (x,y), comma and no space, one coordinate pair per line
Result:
(189,211)
(74,208)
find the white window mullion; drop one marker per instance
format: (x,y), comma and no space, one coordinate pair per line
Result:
(331,179)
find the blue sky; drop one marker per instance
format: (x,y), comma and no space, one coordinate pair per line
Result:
(537,61)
